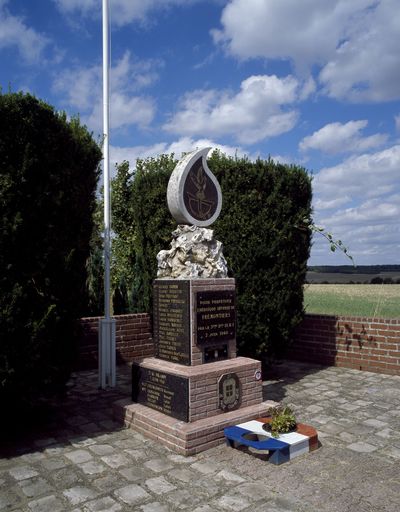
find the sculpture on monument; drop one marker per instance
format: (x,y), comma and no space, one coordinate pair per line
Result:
(194,200)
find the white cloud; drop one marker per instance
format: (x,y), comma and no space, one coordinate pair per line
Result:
(122,12)
(330,204)
(341,138)
(82,88)
(354,42)
(375,211)
(363,176)
(125,111)
(397,122)
(370,230)
(182,145)
(15,33)
(254,113)
(359,202)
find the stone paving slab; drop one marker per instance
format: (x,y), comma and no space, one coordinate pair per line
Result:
(82,461)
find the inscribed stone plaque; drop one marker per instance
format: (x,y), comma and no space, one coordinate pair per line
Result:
(161,391)
(216,318)
(171,321)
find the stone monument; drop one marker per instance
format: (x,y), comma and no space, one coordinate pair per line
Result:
(195,385)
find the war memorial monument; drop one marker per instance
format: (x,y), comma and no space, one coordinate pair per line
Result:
(195,386)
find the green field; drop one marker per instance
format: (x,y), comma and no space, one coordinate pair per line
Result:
(369,300)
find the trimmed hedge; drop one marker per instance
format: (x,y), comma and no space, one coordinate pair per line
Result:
(48,178)
(262,225)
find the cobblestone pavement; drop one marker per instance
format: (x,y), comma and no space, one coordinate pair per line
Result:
(84,462)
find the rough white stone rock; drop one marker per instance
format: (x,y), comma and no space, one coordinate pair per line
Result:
(194,254)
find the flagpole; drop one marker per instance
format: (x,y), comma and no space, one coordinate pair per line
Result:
(107,375)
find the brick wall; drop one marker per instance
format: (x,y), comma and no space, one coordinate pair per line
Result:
(133,340)
(370,344)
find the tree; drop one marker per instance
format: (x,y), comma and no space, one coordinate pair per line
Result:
(48,178)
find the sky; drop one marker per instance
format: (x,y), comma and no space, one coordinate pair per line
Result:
(314,83)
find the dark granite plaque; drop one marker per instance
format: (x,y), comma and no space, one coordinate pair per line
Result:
(216,318)
(171,320)
(200,195)
(161,391)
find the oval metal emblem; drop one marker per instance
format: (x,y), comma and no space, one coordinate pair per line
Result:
(194,195)
(229,391)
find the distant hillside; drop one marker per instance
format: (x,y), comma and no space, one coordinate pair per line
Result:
(349,269)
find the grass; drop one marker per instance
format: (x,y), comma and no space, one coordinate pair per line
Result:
(369,300)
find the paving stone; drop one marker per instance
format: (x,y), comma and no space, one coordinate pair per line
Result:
(79,494)
(314,408)
(254,490)
(132,494)
(159,465)
(107,483)
(375,423)
(159,485)
(116,460)
(47,504)
(387,433)
(205,468)
(55,450)
(105,504)
(92,467)
(9,500)
(205,508)
(102,449)
(346,437)
(331,428)
(232,503)
(362,447)
(182,499)
(137,454)
(180,459)
(229,476)
(23,472)
(182,474)
(208,487)
(35,487)
(65,477)
(82,442)
(155,506)
(53,463)
(133,474)
(392,451)
(79,456)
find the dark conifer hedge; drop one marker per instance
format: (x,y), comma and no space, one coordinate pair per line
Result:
(263,229)
(48,177)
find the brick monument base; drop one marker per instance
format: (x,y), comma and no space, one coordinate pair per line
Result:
(179,436)
(204,423)
(195,386)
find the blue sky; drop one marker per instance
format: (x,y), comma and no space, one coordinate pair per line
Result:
(311,82)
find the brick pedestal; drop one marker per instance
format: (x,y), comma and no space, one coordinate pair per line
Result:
(196,386)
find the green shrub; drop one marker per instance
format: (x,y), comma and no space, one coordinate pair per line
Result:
(282,420)
(261,226)
(48,177)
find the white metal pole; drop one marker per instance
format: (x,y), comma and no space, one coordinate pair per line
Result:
(107,325)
